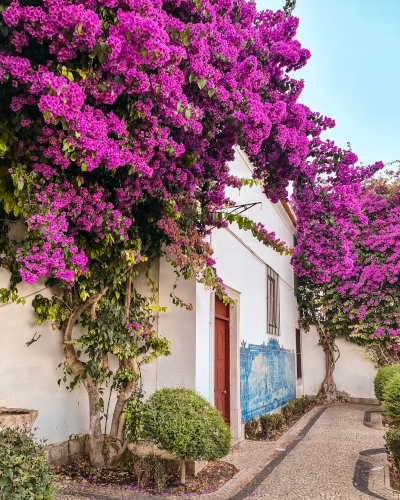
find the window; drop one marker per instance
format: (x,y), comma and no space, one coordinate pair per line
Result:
(298,353)
(272,302)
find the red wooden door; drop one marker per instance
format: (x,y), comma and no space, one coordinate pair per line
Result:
(221,385)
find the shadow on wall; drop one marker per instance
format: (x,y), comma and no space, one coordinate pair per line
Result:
(267,378)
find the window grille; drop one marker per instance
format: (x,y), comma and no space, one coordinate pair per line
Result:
(273,311)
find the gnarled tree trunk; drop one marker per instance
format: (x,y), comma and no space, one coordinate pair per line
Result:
(328,387)
(328,390)
(96,438)
(103,450)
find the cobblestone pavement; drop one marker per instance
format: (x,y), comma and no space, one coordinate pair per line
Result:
(328,454)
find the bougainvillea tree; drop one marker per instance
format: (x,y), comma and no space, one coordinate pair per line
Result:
(359,300)
(118,119)
(354,294)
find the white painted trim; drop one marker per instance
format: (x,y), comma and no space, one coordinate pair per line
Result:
(234,366)
(212,347)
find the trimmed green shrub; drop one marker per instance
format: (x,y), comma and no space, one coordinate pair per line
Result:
(274,421)
(293,406)
(391,398)
(287,411)
(305,402)
(393,445)
(251,428)
(279,421)
(183,423)
(298,406)
(271,422)
(266,423)
(23,468)
(382,378)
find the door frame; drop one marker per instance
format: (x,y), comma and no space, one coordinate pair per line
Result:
(226,320)
(234,360)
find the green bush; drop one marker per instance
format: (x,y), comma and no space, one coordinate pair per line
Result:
(274,421)
(271,422)
(266,423)
(23,468)
(251,428)
(391,398)
(382,378)
(301,404)
(279,421)
(287,411)
(294,406)
(183,423)
(393,444)
(305,402)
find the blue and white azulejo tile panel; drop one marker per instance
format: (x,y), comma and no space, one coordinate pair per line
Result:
(267,378)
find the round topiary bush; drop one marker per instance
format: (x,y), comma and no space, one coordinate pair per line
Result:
(382,378)
(393,445)
(23,467)
(183,423)
(391,398)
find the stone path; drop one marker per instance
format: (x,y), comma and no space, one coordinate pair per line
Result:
(329,454)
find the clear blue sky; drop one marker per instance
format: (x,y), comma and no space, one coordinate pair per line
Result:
(353,75)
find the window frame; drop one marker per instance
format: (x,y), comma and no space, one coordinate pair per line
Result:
(273,302)
(299,364)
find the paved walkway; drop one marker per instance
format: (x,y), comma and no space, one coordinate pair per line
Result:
(328,454)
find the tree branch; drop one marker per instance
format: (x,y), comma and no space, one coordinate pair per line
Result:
(24,297)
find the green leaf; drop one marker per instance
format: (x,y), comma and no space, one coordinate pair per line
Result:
(201,82)
(192,77)
(46,115)
(3,482)
(129,36)
(101,87)
(211,92)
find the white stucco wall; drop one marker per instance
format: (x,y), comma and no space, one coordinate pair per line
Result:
(353,373)
(273,216)
(179,327)
(28,375)
(241,262)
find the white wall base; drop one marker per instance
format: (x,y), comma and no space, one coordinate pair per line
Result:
(353,373)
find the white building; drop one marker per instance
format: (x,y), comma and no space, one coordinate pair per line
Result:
(243,359)
(240,356)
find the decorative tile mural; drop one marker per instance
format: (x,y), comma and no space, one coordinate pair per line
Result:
(267,378)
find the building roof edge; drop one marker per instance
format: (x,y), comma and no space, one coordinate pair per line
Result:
(288,210)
